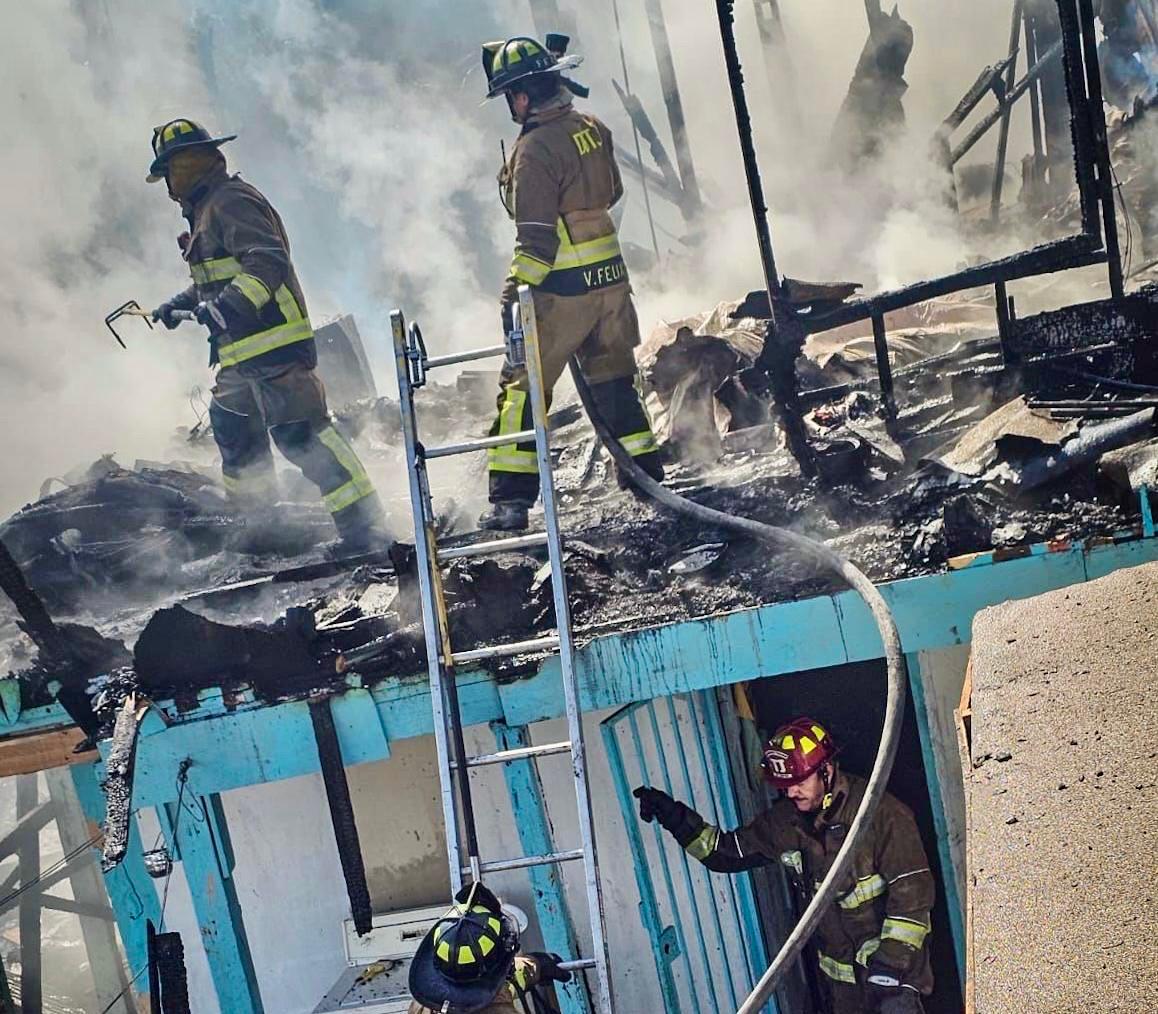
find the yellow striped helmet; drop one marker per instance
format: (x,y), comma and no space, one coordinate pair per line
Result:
(175,135)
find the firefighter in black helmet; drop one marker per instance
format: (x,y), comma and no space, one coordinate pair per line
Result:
(469,962)
(558,186)
(245,290)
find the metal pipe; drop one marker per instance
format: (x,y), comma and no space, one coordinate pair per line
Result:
(1003,132)
(490,352)
(671,98)
(726,15)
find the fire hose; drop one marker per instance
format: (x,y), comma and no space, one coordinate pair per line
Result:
(828,559)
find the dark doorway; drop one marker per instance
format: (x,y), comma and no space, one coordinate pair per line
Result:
(850,701)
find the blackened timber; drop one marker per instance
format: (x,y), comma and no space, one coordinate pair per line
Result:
(1081,129)
(1059,255)
(1034,102)
(118,784)
(1003,132)
(884,367)
(1101,148)
(342,814)
(671,97)
(643,125)
(1001,297)
(1006,103)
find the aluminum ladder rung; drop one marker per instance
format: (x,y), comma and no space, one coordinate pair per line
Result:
(447,450)
(550,859)
(489,352)
(519,753)
(492,546)
(506,650)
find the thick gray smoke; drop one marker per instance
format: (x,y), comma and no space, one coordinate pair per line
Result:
(363,124)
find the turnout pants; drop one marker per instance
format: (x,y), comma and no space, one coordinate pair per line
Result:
(252,403)
(601,328)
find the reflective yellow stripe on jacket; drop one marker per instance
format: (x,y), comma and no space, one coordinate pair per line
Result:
(296,328)
(867,888)
(578,268)
(839,971)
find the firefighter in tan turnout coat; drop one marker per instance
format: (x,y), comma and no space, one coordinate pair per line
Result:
(872,942)
(558,185)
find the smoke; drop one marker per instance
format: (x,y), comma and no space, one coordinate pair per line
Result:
(362,122)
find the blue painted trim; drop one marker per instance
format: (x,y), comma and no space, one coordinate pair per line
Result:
(258,743)
(1148,529)
(743,894)
(207,859)
(685,862)
(933,773)
(131,890)
(536,838)
(674,906)
(663,954)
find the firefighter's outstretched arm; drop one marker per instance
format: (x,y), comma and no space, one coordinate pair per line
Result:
(720,851)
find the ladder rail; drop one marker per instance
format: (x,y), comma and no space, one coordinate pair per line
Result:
(416,474)
(566,648)
(463,851)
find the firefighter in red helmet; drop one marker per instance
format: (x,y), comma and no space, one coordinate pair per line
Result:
(872,943)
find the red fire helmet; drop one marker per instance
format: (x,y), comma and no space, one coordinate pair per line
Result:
(796,750)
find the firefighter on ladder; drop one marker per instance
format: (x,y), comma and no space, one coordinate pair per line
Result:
(558,185)
(872,943)
(469,963)
(245,290)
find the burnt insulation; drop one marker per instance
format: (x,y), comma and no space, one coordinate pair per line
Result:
(342,814)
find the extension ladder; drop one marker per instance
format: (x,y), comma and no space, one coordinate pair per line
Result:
(412,364)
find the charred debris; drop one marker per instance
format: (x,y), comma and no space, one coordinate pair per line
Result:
(911,429)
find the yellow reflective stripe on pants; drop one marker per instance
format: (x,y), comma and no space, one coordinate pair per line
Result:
(529,269)
(867,950)
(704,843)
(639,443)
(907,931)
(220,269)
(837,970)
(264,341)
(253,289)
(359,484)
(866,889)
(508,457)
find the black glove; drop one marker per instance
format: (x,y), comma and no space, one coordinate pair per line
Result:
(882,983)
(656,805)
(211,314)
(508,315)
(164,313)
(548,965)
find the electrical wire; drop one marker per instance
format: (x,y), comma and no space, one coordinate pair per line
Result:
(828,559)
(64,861)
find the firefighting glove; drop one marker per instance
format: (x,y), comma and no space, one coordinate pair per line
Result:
(164,313)
(508,315)
(882,983)
(655,805)
(548,965)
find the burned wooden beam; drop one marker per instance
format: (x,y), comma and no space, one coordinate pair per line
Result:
(118,785)
(342,814)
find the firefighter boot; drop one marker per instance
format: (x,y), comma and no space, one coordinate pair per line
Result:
(506,516)
(361,529)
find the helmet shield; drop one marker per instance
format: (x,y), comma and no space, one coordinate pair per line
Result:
(796,750)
